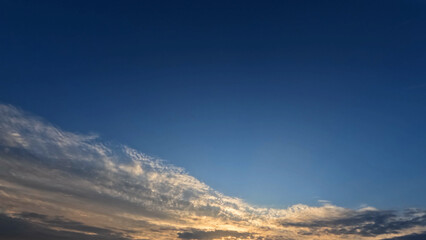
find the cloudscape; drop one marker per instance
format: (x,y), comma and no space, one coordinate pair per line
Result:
(56,184)
(212,120)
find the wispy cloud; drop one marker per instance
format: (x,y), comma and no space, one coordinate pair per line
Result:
(60,185)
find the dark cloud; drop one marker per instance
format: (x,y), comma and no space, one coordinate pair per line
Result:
(415,236)
(366,223)
(35,226)
(208,235)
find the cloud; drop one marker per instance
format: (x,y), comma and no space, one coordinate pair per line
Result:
(56,183)
(415,236)
(208,235)
(36,226)
(365,222)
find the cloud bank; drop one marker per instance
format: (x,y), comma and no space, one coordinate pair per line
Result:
(56,184)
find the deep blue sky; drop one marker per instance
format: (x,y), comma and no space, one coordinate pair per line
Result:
(277,102)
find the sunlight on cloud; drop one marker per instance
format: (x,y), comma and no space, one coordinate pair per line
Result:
(56,183)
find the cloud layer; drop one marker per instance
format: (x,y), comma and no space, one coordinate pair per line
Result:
(60,185)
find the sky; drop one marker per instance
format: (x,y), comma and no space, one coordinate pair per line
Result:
(207,119)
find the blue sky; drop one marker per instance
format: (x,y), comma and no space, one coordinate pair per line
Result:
(277,103)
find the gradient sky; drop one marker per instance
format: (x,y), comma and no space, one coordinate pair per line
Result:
(277,102)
